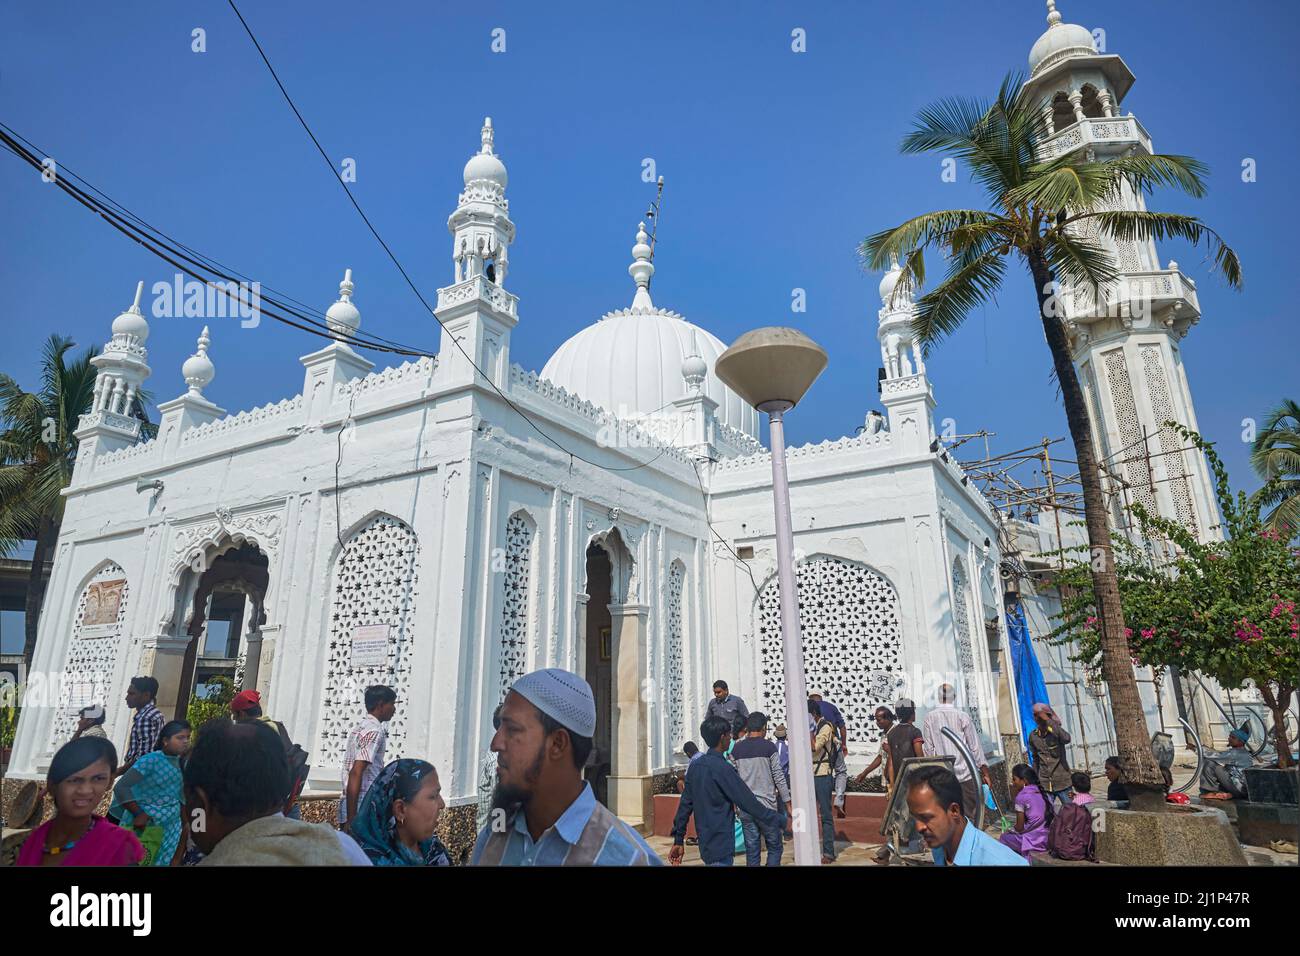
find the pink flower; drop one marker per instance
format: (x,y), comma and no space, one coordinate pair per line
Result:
(1149,632)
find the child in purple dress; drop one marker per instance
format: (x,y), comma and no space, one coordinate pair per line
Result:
(1033,813)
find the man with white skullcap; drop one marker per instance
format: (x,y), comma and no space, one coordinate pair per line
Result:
(543,812)
(90,722)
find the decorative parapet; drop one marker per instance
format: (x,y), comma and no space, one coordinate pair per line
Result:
(614,432)
(246,420)
(904,383)
(122,423)
(735,442)
(1136,294)
(1096,131)
(420,371)
(813,450)
(130,453)
(479,287)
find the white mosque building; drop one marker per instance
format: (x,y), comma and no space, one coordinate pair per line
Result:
(409,526)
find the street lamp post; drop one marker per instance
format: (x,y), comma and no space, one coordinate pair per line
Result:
(772,368)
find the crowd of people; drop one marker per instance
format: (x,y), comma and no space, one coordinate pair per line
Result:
(228,792)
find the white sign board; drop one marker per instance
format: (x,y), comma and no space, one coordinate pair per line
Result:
(370,645)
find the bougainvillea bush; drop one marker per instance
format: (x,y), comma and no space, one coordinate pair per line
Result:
(1228,609)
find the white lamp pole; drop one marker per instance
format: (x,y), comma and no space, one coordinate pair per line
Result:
(771,369)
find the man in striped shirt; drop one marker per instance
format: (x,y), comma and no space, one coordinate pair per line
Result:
(148,722)
(543,812)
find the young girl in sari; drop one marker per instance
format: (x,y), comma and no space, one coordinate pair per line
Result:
(1033,813)
(149,794)
(77,780)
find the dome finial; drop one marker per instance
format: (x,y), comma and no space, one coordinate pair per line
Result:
(198,369)
(343,317)
(139,291)
(642,269)
(1053,18)
(487,136)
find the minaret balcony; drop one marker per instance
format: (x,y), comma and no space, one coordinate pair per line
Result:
(1166,296)
(1112,132)
(479,288)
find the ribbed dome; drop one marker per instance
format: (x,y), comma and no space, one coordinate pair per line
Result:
(630,364)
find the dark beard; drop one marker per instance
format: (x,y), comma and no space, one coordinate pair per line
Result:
(509,796)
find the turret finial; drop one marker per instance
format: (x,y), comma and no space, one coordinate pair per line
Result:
(1053,18)
(642,269)
(486,136)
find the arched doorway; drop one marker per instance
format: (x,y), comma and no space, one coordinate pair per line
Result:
(598,666)
(223,621)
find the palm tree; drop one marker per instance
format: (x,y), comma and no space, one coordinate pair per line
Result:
(1038,210)
(1276,455)
(37,452)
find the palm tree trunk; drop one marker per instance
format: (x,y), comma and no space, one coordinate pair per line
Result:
(1142,777)
(47,533)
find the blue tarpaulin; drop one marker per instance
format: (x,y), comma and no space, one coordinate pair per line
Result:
(1030,688)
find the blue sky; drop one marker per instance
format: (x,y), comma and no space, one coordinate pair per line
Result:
(776,164)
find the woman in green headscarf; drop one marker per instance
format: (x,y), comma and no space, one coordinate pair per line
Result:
(396,820)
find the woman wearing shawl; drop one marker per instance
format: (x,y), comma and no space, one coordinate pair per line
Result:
(77,780)
(396,820)
(149,794)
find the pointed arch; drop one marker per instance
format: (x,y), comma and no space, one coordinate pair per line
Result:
(374,586)
(851,624)
(516,599)
(675,641)
(961,620)
(91,661)
(1062,111)
(1091,102)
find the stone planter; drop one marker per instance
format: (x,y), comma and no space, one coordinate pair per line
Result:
(1178,836)
(1271,785)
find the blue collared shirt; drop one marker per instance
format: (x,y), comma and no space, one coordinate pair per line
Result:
(586,834)
(977,848)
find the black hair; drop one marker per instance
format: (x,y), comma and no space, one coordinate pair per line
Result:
(579,745)
(942,782)
(814,707)
(712,730)
(738,725)
(240,767)
(757,721)
(906,714)
(1114,762)
(889,714)
(1022,771)
(1081,782)
(253,711)
(98,720)
(690,749)
(77,755)
(171,729)
(379,694)
(720,684)
(146,685)
(407,783)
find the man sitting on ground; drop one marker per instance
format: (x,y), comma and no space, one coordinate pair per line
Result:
(1223,776)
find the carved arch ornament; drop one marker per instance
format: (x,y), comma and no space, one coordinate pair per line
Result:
(620,544)
(196,546)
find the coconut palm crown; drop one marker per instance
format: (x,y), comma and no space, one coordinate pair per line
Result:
(1038,212)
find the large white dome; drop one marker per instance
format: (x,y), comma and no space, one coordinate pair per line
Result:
(630,363)
(1059,41)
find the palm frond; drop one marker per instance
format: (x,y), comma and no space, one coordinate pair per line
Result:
(931,228)
(1079,262)
(1145,173)
(1127,224)
(941,311)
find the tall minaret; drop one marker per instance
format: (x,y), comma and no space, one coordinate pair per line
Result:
(905,389)
(1127,347)
(476,310)
(120,370)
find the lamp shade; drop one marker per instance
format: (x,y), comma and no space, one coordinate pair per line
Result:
(771,365)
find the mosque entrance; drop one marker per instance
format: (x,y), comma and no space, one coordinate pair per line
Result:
(223,623)
(599,667)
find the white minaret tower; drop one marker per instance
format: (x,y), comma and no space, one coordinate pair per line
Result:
(476,311)
(121,368)
(905,389)
(1127,347)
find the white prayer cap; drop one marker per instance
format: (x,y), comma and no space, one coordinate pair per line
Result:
(93,712)
(563,696)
